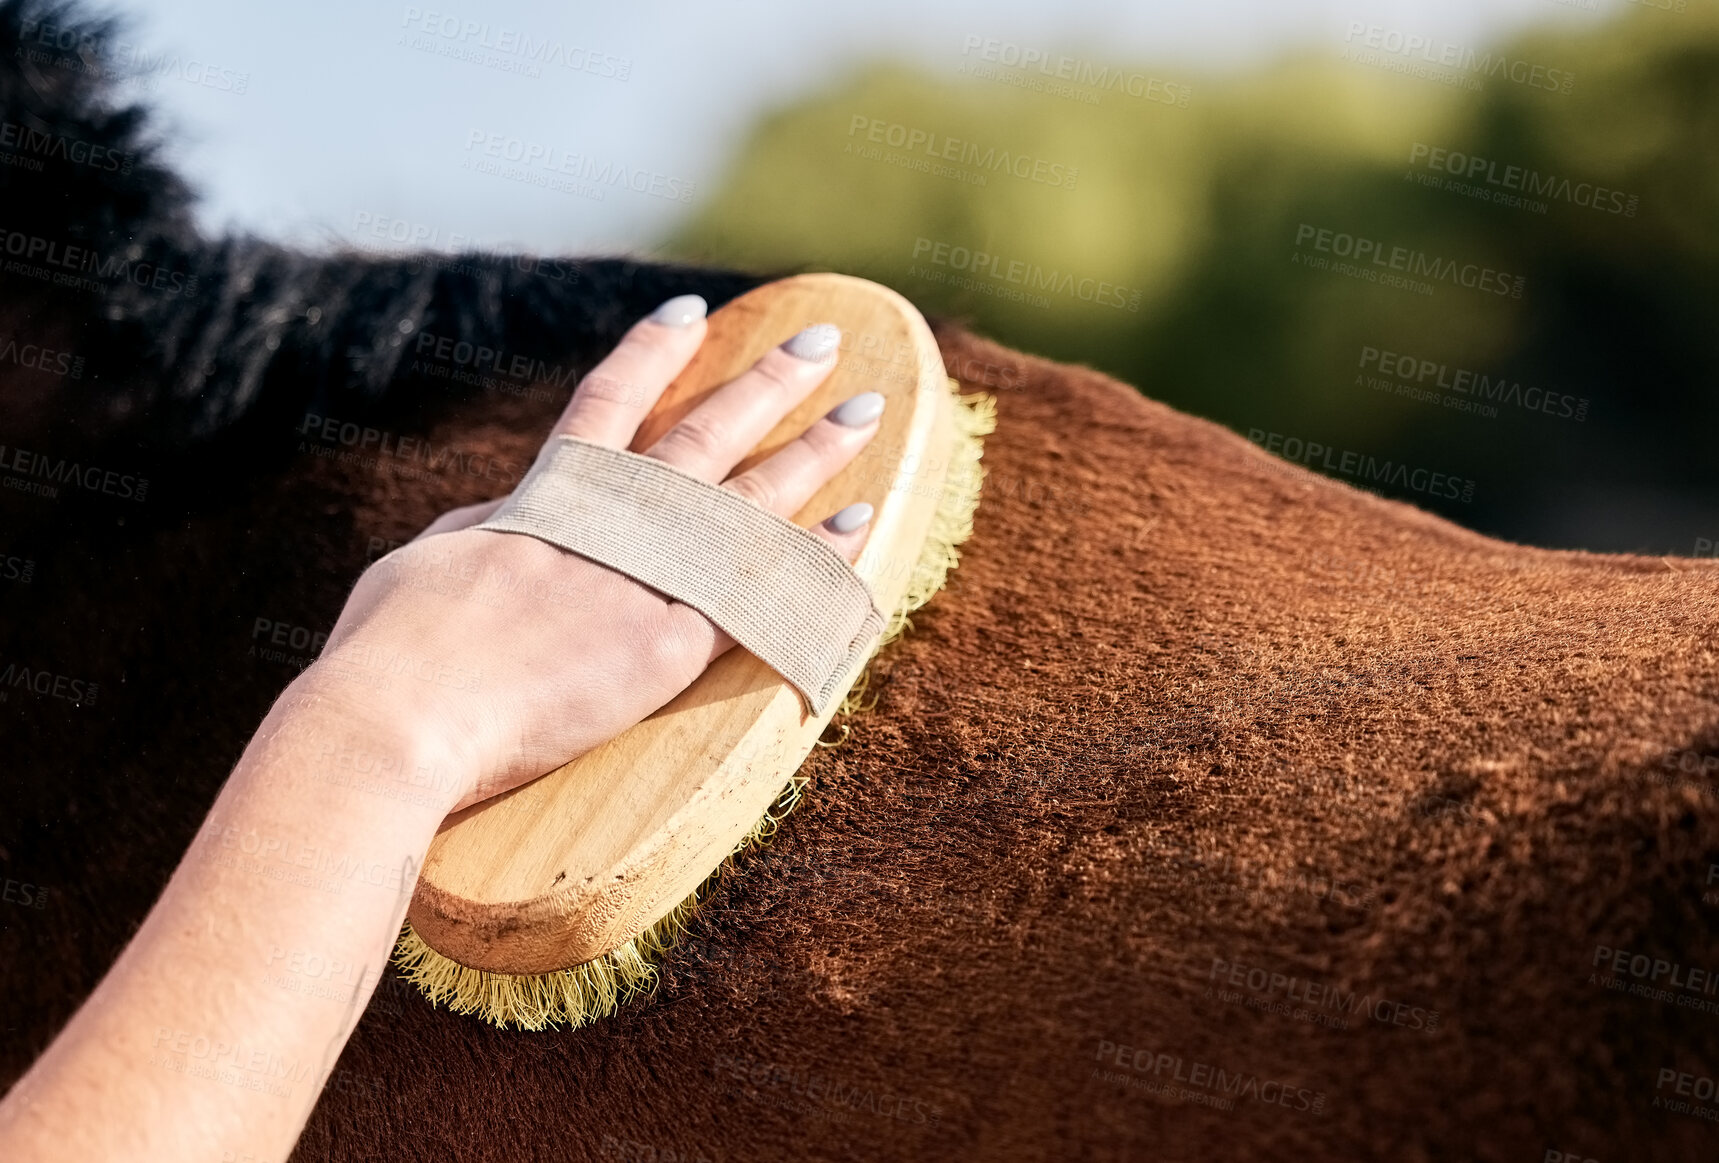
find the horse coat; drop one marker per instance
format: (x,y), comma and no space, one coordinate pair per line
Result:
(1217,809)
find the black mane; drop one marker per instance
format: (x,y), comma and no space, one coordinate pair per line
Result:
(197,347)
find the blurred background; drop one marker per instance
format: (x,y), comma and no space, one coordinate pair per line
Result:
(1477,239)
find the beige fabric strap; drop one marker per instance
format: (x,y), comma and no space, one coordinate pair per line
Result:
(777,590)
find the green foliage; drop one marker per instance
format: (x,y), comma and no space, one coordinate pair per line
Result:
(1170,257)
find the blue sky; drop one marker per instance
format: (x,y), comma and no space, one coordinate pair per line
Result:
(361,122)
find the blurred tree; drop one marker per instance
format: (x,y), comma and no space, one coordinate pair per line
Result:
(1175,243)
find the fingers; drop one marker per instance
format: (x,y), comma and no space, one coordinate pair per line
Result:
(615,397)
(720,431)
(789,478)
(847,530)
(728,425)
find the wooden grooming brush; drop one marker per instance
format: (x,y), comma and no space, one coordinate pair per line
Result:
(549,904)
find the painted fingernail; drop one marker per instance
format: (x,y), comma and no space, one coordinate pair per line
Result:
(816,344)
(859,411)
(851,518)
(681,311)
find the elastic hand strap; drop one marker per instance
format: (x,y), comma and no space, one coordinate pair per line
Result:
(777,590)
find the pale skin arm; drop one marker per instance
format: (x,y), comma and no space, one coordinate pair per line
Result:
(214,1032)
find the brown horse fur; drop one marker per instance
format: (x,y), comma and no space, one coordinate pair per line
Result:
(1207,781)
(1202,763)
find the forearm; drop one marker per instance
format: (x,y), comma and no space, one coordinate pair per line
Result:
(220,1022)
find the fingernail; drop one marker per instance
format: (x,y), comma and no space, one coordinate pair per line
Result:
(816,344)
(859,411)
(681,311)
(851,518)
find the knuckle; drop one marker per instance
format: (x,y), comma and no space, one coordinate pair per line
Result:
(699,435)
(676,643)
(758,489)
(777,374)
(602,388)
(827,440)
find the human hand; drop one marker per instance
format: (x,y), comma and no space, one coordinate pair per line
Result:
(507,657)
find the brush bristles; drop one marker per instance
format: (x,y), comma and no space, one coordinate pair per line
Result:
(951,525)
(582,994)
